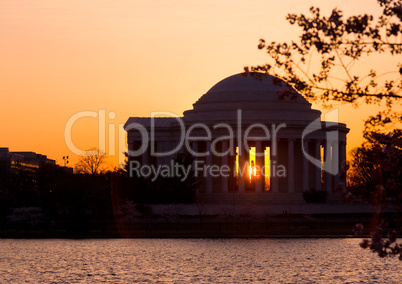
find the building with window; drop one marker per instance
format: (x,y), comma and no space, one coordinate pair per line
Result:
(22,167)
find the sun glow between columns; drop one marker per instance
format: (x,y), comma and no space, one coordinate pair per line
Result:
(267,168)
(254,170)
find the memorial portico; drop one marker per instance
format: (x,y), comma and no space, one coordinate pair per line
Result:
(247,141)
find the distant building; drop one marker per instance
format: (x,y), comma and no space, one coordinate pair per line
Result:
(23,167)
(34,158)
(28,160)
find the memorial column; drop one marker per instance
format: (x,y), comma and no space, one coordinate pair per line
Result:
(225,164)
(305,167)
(290,172)
(260,163)
(208,164)
(317,172)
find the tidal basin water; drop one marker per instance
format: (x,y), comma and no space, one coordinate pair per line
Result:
(193,261)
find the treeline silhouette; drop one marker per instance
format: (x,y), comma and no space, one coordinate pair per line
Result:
(53,198)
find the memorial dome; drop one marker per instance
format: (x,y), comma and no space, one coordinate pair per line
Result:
(258,99)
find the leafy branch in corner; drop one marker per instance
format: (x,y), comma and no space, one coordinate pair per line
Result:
(338,43)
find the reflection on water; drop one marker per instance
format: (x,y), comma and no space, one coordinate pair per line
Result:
(193,261)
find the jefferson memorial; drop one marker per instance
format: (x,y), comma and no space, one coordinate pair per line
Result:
(249,141)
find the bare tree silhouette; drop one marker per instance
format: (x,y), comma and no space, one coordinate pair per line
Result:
(92,162)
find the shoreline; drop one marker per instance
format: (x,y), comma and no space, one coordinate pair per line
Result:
(279,226)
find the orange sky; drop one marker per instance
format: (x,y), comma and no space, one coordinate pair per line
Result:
(130,57)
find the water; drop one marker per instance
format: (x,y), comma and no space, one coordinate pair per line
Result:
(193,261)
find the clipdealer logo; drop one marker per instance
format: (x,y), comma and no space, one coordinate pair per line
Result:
(239,137)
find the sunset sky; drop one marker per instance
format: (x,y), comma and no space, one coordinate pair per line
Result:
(58,58)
